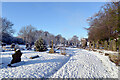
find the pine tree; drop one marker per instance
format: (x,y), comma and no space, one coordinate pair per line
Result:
(40,45)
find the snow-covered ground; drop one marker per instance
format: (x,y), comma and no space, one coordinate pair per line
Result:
(79,64)
(86,64)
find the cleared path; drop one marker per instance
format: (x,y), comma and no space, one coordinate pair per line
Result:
(85,64)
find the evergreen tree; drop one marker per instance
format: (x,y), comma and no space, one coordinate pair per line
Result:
(40,45)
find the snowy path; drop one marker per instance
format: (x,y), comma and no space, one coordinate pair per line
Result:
(87,65)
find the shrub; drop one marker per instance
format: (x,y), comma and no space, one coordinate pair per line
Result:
(40,45)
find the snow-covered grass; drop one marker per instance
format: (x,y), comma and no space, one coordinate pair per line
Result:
(44,66)
(79,64)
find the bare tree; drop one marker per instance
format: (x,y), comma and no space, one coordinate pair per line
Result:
(6,30)
(75,40)
(27,33)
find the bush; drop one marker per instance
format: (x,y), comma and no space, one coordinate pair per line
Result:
(40,45)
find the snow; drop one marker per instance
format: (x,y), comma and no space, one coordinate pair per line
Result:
(40,67)
(86,64)
(78,63)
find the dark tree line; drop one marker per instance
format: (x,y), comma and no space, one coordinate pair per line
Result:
(105,25)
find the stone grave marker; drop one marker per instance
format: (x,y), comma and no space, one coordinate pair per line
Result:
(52,50)
(16,57)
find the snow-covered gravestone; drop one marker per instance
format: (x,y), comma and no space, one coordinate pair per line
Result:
(16,57)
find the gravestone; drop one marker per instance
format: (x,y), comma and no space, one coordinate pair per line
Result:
(27,45)
(13,45)
(93,43)
(97,45)
(102,44)
(34,57)
(105,45)
(89,44)
(3,44)
(119,46)
(114,46)
(63,51)
(16,57)
(16,47)
(110,45)
(52,50)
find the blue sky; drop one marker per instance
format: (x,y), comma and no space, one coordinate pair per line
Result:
(65,18)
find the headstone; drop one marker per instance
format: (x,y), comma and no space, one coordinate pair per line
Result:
(119,46)
(34,57)
(114,46)
(63,51)
(16,57)
(106,54)
(13,45)
(105,45)
(89,44)
(93,43)
(97,45)
(110,45)
(102,44)
(27,45)
(52,50)
(3,44)
(16,47)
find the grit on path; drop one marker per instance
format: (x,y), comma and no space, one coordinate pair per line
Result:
(87,64)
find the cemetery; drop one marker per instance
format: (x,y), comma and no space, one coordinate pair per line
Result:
(60,40)
(56,60)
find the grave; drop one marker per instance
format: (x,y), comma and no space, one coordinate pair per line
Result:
(52,50)
(16,57)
